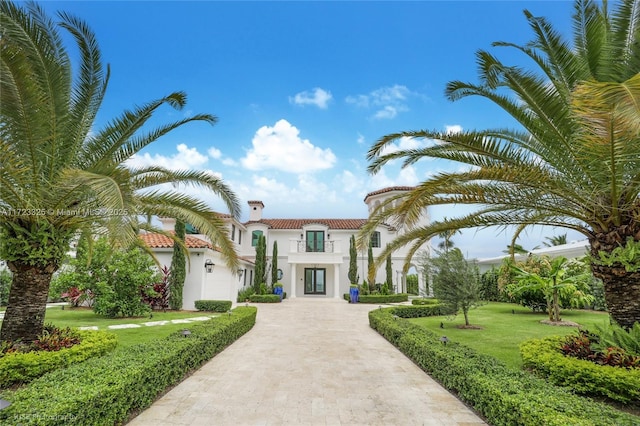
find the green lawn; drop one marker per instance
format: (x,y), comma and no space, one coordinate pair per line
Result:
(505,326)
(82,317)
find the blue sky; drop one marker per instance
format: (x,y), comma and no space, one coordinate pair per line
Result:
(302,90)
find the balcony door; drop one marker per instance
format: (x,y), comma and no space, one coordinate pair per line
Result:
(315,241)
(314,281)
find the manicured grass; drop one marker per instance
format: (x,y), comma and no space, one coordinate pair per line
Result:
(83,317)
(505,326)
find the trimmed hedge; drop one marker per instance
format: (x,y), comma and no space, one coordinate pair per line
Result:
(546,359)
(421,302)
(105,390)
(379,298)
(213,305)
(422,311)
(502,395)
(18,367)
(264,298)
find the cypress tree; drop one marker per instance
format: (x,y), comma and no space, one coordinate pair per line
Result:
(261,263)
(389,275)
(353,258)
(178,269)
(274,264)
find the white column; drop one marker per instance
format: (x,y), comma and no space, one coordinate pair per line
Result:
(336,281)
(294,280)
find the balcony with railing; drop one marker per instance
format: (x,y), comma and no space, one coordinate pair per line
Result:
(315,251)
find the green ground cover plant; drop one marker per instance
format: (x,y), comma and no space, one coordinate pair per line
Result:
(585,377)
(108,389)
(22,367)
(504,396)
(505,326)
(83,317)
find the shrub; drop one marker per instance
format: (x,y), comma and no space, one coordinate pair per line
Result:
(5,286)
(502,395)
(489,286)
(383,298)
(213,305)
(23,367)
(420,311)
(106,390)
(264,298)
(244,294)
(545,358)
(425,301)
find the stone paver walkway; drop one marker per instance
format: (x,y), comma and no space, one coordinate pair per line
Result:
(309,362)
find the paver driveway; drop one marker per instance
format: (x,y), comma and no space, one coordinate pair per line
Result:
(309,362)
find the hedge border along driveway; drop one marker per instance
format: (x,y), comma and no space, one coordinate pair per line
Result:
(106,390)
(501,395)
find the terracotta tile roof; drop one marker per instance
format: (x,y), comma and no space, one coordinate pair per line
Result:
(162,241)
(389,189)
(299,223)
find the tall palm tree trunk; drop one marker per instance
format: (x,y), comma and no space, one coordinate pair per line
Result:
(621,292)
(24,317)
(621,287)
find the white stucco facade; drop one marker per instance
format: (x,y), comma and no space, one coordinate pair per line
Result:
(313,254)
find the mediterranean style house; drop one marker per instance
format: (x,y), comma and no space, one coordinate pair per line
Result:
(313,254)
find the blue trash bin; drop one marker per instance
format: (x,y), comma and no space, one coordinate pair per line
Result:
(278,290)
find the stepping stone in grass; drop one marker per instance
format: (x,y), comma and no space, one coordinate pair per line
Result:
(153,323)
(90,327)
(118,326)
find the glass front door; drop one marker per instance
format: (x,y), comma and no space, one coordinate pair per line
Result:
(314,281)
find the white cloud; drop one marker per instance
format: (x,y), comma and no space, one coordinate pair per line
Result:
(360,139)
(281,148)
(185,158)
(316,96)
(387,112)
(388,101)
(453,129)
(214,153)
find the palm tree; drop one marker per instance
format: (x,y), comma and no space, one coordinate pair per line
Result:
(574,162)
(61,176)
(447,243)
(556,240)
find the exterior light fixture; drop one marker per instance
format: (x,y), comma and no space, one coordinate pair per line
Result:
(186,333)
(240,273)
(208,265)
(444,340)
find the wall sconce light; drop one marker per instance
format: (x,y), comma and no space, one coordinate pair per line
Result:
(240,273)
(328,236)
(302,236)
(208,265)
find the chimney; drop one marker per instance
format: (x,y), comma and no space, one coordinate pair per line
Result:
(255,210)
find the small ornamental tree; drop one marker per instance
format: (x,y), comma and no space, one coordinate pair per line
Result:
(274,264)
(261,263)
(455,281)
(554,284)
(178,268)
(353,259)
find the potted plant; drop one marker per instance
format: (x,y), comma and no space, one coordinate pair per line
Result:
(354,293)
